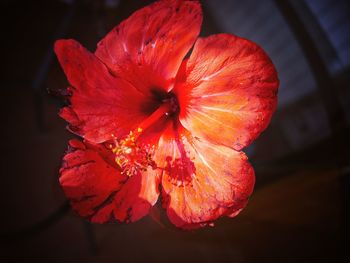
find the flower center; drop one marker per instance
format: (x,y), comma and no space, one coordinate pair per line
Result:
(133,157)
(167,108)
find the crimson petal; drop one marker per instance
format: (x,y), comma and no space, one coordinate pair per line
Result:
(202,181)
(227,90)
(101,104)
(147,48)
(98,191)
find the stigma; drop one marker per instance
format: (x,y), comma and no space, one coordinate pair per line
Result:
(131,156)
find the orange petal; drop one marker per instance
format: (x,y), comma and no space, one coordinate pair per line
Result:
(227,90)
(96,189)
(101,104)
(147,48)
(201,181)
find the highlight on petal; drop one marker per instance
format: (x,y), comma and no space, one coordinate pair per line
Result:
(201,181)
(101,104)
(98,191)
(227,90)
(147,48)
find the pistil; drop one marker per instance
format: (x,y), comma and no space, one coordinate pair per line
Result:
(167,108)
(132,157)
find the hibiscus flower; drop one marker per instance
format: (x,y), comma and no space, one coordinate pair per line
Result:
(157,124)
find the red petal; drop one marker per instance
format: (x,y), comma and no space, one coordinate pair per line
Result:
(101,104)
(148,47)
(227,90)
(201,181)
(97,190)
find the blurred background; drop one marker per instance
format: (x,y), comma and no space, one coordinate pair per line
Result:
(299,211)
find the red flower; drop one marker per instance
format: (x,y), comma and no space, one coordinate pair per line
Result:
(154,122)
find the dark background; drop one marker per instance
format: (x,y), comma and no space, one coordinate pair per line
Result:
(299,211)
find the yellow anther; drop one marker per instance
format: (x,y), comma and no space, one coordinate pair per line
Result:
(128,150)
(132,157)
